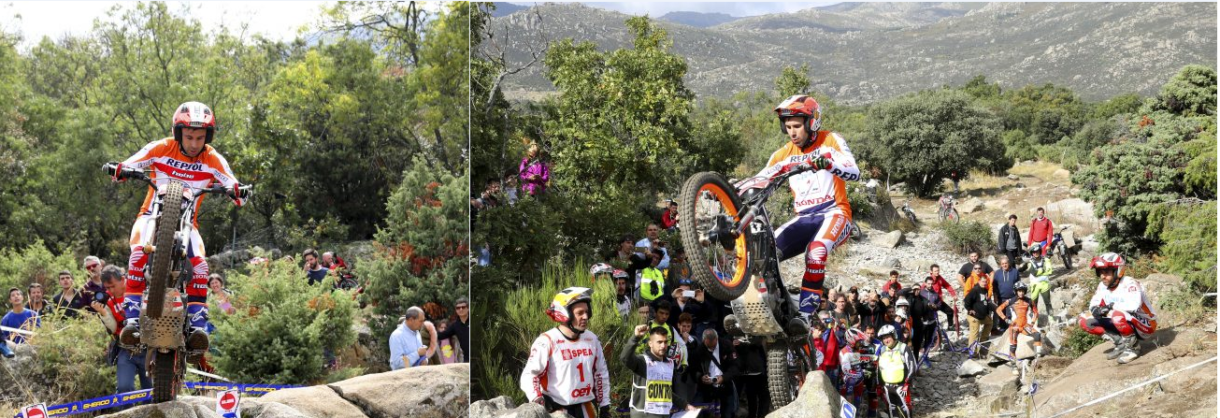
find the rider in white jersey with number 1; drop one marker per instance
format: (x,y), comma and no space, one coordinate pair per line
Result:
(566,369)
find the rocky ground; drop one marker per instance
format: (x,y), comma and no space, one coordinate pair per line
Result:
(428,391)
(951,386)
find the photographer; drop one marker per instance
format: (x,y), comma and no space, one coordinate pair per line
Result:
(128,361)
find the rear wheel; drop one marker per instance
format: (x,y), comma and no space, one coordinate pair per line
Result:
(165,376)
(786,371)
(1063,255)
(163,243)
(708,210)
(911,217)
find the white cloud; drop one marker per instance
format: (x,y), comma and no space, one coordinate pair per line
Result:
(275,19)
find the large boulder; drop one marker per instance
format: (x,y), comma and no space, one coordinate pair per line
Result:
(1025,347)
(428,392)
(1072,210)
(1156,283)
(502,407)
(890,240)
(971,205)
(998,380)
(971,368)
(184,407)
(321,401)
(817,398)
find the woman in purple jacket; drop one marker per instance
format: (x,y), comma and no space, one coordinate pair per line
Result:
(535,173)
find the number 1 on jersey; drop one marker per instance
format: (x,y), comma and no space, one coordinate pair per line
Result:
(581,367)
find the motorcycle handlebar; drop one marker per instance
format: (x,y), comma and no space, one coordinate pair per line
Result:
(242,191)
(126,173)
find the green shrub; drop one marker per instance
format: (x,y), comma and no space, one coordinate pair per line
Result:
(422,253)
(1140,266)
(968,236)
(504,341)
(1184,306)
(1019,146)
(36,264)
(281,335)
(71,360)
(857,196)
(1189,234)
(1077,342)
(920,137)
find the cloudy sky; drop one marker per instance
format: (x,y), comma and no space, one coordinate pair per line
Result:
(739,9)
(276,20)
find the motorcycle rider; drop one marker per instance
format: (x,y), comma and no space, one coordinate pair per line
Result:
(566,370)
(1040,271)
(1120,310)
(855,359)
(1024,316)
(819,195)
(895,363)
(187,156)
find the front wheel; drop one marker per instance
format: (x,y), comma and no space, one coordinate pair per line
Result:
(165,375)
(911,217)
(951,214)
(163,248)
(719,261)
(787,366)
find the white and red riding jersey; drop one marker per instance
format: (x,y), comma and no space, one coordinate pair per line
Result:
(571,372)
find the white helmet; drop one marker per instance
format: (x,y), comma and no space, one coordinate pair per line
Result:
(887,329)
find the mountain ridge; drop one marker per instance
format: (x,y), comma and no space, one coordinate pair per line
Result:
(863,53)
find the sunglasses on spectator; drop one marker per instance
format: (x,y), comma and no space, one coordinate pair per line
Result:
(461,307)
(90,266)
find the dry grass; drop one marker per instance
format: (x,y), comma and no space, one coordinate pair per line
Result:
(982,180)
(1042,170)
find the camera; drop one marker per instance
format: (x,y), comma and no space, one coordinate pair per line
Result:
(101,297)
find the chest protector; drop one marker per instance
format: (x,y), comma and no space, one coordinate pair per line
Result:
(892,364)
(656,396)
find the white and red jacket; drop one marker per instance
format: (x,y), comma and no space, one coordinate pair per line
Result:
(817,190)
(1128,297)
(570,372)
(167,161)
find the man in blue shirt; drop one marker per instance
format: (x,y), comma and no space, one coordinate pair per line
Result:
(18,317)
(313,268)
(1005,282)
(406,347)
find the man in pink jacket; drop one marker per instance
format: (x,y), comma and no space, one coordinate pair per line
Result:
(1040,230)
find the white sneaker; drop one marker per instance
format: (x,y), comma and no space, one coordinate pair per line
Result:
(1128,356)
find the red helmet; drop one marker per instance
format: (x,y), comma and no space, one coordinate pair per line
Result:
(803,106)
(1109,261)
(194,115)
(854,336)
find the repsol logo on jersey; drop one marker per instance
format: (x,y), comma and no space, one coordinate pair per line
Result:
(845,176)
(569,353)
(582,392)
(183,165)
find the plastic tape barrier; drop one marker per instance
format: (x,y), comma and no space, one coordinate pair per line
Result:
(121,399)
